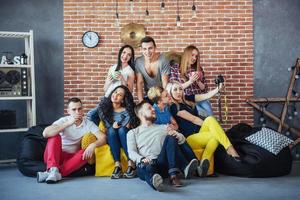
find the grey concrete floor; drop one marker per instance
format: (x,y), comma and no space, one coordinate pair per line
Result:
(15,186)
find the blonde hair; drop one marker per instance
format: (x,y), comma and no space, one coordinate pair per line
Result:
(186,57)
(154,93)
(169,89)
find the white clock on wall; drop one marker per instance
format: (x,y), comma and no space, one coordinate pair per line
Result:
(90,39)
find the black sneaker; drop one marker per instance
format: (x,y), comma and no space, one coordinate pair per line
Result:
(202,169)
(117,173)
(190,169)
(130,172)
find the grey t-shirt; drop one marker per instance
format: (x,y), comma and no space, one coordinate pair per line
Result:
(147,141)
(163,69)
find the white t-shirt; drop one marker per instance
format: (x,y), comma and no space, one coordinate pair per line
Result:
(125,72)
(72,135)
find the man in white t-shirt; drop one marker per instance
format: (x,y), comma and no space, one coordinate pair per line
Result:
(63,154)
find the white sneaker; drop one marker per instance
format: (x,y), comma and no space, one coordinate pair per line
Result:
(42,176)
(157,182)
(190,168)
(54,175)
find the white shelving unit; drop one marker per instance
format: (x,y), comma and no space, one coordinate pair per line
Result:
(29,98)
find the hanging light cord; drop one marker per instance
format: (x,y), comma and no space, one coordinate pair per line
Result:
(117,11)
(194,6)
(177,7)
(147,11)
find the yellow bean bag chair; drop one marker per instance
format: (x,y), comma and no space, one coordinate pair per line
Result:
(104,161)
(86,140)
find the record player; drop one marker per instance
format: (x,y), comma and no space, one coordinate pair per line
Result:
(14,82)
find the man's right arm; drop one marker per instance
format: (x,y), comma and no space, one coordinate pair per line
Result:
(139,86)
(55,129)
(132,147)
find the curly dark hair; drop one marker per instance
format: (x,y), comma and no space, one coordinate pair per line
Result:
(105,108)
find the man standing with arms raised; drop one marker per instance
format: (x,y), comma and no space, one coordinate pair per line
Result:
(152,69)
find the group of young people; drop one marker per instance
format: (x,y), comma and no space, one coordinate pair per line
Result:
(172,117)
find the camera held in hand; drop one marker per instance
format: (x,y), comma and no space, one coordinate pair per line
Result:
(219,79)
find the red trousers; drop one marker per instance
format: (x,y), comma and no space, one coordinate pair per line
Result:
(65,162)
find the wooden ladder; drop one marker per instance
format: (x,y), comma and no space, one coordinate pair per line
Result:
(289,98)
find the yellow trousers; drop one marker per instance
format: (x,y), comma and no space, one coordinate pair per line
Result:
(209,137)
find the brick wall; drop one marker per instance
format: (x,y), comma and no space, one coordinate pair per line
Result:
(223,31)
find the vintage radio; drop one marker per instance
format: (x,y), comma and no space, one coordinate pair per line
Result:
(14,82)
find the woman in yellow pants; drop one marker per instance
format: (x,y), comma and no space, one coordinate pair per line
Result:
(207,133)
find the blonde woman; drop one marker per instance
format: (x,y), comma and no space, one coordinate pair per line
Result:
(191,75)
(207,133)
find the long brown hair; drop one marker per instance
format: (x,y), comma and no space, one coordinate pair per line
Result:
(186,57)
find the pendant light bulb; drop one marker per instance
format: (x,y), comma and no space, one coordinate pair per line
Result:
(178,21)
(162,7)
(194,14)
(117,21)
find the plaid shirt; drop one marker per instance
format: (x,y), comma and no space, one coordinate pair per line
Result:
(194,87)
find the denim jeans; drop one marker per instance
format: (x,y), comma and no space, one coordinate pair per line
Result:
(204,106)
(169,162)
(187,152)
(93,116)
(117,140)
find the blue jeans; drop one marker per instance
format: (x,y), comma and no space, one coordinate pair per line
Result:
(93,116)
(169,162)
(117,140)
(206,107)
(187,152)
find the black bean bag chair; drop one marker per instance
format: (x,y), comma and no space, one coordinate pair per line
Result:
(256,161)
(30,155)
(30,158)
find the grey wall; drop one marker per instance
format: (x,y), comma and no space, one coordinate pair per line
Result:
(276,48)
(45,18)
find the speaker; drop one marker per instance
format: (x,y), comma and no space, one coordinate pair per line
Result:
(7,119)
(14,82)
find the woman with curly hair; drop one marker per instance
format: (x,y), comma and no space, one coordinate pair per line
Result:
(117,111)
(121,73)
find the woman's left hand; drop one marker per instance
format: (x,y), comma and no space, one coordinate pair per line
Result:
(115,125)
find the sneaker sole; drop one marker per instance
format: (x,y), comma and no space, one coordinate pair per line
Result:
(129,176)
(115,177)
(157,182)
(51,182)
(54,180)
(203,168)
(38,178)
(192,166)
